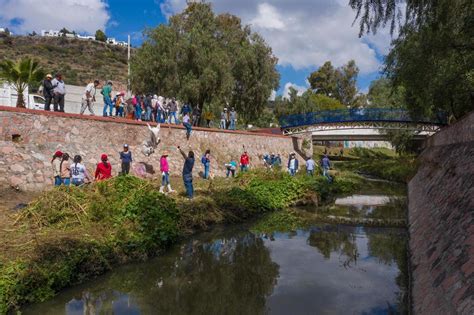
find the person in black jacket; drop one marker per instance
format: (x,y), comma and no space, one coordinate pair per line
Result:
(47,92)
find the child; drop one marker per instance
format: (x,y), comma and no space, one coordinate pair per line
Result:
(78,172)
(165,174)
(65,170)
(104,169)
(126,158)
(56,163)
(187,125)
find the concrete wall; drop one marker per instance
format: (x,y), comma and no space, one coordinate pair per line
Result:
(26,164)
(441,223)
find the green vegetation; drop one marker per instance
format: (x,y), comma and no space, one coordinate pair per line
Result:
(207,60)
(280,221)
(21,74)
(68,234)
(79,61)
(433,57)
(100,36)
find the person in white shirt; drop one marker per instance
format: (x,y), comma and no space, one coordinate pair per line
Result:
(88,98)
(78,172)
(59,91)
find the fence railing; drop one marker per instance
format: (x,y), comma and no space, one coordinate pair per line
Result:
(358,115)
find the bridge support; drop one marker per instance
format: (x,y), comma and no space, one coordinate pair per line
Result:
(303,144)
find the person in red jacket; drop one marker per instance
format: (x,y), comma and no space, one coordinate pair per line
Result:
(104,169)
(244,162)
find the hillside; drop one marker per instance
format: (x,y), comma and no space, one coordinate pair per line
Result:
(79,61)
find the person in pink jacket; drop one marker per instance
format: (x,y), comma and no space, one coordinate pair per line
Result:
(165,173)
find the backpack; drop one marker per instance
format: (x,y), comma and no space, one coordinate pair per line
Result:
(203,159)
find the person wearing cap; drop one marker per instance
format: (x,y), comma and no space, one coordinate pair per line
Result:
(165,173)
(244,162)
(107,94)
(59,90)
(48,92)
(119,103)
(126,158)
(104,169)
(88,98)
(56,163)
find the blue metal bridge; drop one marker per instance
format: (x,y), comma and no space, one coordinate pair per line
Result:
(365,118)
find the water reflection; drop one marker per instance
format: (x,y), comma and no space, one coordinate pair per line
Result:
(326,269)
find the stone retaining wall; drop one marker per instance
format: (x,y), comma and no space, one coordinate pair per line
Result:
(441,223)
(25,161)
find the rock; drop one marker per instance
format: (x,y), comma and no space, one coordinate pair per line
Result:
(17,168)
(15,181)
(8,150)
(37,124)
(40,157)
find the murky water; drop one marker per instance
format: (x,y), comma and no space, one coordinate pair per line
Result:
(325,269)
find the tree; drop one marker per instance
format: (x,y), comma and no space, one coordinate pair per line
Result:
(433,57)
(21,74)
(337,83)
(100,36)
(323,80)
(323,102)
(207,60)
(64,31)
(382,94)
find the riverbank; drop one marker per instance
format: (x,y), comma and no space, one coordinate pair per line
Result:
(69,235)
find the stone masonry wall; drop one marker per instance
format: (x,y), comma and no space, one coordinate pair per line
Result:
(441,223)
(26,163)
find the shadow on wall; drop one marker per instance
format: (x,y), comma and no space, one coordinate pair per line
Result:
(299,149)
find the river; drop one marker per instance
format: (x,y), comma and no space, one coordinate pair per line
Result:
(318,269)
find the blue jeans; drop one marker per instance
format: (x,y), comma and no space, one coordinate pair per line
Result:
(77,182)
(244,168)
(292,171)
(207,167)
(57,181)
(66,181)
(189,128)
(138,113)
(230,171)
(176,120)
(160,116)
(165,179)
(107,105)
(223,124)
(326,173)
(310,172)
(188,184)
(232,124)
(119,112)
(148,114)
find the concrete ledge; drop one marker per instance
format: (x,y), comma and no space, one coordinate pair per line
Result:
(461,131)
(129,121)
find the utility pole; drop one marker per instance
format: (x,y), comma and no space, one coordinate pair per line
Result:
(128,62)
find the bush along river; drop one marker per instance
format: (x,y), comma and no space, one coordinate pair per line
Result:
(346,255)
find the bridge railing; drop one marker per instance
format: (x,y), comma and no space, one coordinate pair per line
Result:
(357,115)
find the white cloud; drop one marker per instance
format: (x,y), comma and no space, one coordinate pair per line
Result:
(299,88)
(304,33)
(33,15)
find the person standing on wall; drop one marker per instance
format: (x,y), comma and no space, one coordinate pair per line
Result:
(88,98)
(48,92)
(107,95)
(188,172)
(173,108)
(59,91)
(56,164)
(126,158)
(233,118)
(223,124)
(206,161)
(293,164)
(187,125)
(165,174)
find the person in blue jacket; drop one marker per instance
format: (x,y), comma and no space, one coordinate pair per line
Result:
(293,164)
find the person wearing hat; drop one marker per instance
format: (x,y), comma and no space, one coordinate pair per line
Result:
(165,173)
(48,92)
(107,94)
(119,104)
(293,164)
(104,169)
(126,158)
(56,163)
(59,91)
(88,98)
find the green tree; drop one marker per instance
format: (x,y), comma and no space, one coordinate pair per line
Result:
(323,80)
(100,36)
(382,94)
(323,102)
(207,60)
(338,83)
(433,56)
(21,74)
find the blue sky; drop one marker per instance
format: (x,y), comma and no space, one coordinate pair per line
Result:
(303,33)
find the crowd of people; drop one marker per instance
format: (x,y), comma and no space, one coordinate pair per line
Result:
(75,173)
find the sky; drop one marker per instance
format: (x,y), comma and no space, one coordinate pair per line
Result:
(303,33)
